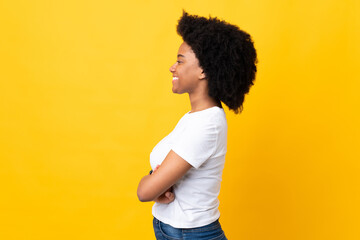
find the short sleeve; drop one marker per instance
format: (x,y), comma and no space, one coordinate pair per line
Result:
(196,143)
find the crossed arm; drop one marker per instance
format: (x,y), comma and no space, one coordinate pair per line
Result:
(154,187)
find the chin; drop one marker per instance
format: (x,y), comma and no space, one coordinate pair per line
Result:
(174,90)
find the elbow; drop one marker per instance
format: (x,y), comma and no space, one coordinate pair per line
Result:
(145,190)
(143,196)
(141,199)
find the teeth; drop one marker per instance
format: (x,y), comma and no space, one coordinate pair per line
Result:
(175,78)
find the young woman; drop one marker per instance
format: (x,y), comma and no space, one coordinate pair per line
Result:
(215,63)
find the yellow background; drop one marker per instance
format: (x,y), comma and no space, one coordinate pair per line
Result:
(86,94)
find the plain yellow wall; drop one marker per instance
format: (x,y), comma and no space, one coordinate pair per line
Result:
(86,94)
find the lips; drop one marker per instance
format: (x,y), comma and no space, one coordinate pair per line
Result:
(175,78)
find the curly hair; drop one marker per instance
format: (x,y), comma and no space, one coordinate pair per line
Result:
(225,53)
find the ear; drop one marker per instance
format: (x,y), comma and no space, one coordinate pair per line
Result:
(202,75)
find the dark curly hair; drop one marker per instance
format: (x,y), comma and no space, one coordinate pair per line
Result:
(225,53)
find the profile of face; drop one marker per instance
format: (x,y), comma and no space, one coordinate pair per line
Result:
(186,71)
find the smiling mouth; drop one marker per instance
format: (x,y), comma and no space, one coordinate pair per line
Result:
(175,78)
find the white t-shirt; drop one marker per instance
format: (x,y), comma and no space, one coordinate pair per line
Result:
(200,138)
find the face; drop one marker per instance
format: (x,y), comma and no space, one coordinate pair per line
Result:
(187,74)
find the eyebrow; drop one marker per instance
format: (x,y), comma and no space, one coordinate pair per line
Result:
(180,55)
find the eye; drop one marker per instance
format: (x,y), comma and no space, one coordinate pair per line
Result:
(179,61)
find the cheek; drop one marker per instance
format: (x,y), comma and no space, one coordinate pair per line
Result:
(187,73)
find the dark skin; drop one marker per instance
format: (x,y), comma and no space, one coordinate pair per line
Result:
(188,77)
(168,196)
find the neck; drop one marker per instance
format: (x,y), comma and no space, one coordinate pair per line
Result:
(202,101)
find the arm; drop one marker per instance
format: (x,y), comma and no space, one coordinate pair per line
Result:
(152,186)
(167,197)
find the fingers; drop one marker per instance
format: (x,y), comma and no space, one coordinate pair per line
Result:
(166,198)
(170,196)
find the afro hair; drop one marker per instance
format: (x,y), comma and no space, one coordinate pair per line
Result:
(225,53)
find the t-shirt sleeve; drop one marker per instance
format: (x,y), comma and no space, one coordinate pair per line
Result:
(196,143)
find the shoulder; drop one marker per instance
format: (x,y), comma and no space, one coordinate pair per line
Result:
(209,118)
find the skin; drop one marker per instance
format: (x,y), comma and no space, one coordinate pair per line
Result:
(192,80)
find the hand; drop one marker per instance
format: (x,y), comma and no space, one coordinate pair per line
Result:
(167,197)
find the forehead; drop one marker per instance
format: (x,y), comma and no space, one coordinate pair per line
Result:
(185,49)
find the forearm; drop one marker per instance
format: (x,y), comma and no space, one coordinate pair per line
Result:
(171,170)
(147,190)
(142,192)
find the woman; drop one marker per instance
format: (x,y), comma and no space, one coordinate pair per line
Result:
(215,63)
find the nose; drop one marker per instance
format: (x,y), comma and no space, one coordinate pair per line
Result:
(172,68)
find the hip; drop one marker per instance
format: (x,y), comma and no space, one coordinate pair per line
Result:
(211,231)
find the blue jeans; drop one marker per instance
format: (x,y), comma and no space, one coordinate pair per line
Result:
(212,231)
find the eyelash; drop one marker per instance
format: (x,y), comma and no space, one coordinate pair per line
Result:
(178,61)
